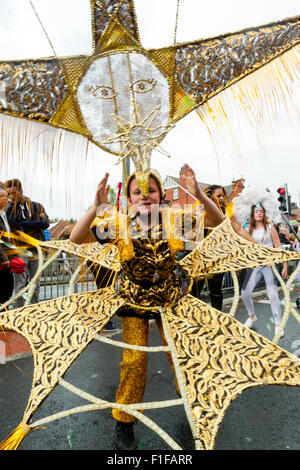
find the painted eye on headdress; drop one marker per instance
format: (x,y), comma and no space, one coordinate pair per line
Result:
(102,91)
(143,85)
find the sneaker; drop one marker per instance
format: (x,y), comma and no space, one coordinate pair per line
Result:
(250,321)
(109,327)
(125,436)
(277,329)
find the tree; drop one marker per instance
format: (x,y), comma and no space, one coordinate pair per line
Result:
(112,196)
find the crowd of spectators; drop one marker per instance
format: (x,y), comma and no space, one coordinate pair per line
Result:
(18,214)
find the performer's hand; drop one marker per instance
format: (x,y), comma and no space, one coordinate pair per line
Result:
(189,180)
(101,196)
(5,265)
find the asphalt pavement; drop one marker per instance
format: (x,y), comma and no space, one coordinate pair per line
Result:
(261,418)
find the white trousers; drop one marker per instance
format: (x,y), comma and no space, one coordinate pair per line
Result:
(253,277)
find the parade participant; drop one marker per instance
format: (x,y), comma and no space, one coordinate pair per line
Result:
(237,187)
(297,279)
(205,344)
(218,195)
(149,279)
(264,232)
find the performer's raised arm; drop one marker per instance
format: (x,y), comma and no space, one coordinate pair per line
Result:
(213,216)
(82,232)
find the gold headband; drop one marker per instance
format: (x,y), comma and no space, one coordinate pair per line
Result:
(143,182)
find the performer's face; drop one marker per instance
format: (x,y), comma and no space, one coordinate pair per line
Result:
(145,205)
(218,198)
(258,214)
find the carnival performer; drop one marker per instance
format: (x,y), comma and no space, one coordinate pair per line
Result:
(145,243)
(260,227)
(149,279)
(217,194)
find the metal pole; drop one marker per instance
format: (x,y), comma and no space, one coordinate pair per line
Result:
(289,225)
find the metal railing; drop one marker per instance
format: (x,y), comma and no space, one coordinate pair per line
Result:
(55,279)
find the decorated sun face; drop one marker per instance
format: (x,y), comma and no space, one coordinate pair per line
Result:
(124,90)
(124,101)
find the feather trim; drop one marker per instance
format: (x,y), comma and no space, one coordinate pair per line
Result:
(251,195)
(253,110)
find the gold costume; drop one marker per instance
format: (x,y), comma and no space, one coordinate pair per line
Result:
(148,279)
(134,364)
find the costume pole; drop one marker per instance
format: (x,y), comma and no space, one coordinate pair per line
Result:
(126,173)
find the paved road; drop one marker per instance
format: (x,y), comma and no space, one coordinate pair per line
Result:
(266,417)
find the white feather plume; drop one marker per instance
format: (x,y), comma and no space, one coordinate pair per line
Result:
(251,195)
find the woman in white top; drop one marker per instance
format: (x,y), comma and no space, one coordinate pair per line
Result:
(265,234)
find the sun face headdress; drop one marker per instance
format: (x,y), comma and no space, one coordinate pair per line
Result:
(124,98)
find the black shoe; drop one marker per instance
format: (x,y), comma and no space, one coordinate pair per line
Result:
(125,436)
(109,327)
(298,302)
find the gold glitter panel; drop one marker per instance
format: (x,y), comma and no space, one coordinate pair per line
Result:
(32,89)
(206,67)
(101,15)
(58,331)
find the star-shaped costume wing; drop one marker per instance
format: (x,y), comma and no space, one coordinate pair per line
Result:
(107,256)
(223,250)
(57,332)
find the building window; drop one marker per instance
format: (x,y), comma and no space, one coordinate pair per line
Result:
(175,194)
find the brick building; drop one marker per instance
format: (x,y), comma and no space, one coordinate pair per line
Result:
(176,193)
